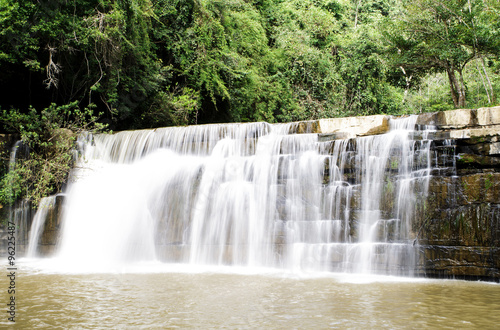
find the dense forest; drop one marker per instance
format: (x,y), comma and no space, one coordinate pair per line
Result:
(126,64)
(150,63)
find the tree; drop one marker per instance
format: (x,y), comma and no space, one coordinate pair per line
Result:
(443,36)
(49,136)
(87,51)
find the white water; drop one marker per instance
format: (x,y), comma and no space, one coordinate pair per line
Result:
(246,195)
(45,205)
(20,213)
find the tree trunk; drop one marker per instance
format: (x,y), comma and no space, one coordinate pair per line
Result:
(457,89)
(356,16)
(453,84)
(461,90)
(484,83)
(408,81)
(492,93)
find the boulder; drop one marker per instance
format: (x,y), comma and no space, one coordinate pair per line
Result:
(355,126)
(304,127)
(495,148)
(454,119)
(488,116)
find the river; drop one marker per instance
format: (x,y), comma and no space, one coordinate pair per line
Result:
(174,296)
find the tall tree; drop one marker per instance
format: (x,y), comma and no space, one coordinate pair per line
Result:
(444,36)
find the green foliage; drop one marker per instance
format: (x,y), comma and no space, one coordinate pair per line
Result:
(174,62)
(365,75)
(303,37)
(488,182)
(433,92)
(49,135)
(443,36)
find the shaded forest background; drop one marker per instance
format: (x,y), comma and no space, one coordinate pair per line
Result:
(150,63)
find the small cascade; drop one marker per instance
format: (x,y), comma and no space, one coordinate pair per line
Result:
(394,169)
(46,204)
(253,195)
(20,213)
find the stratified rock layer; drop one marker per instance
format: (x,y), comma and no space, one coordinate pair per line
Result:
(459,225)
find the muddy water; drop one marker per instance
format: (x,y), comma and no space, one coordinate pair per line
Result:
(221,300)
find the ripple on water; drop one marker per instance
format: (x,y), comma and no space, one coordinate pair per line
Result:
(215,300)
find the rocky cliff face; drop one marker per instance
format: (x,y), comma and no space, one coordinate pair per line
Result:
(459,225)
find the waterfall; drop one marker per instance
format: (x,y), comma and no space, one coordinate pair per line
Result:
(20,212)
(46,204)
(390,166)
(253,195)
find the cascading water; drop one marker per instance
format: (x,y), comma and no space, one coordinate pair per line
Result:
(248,195)
(29,224)
(393,170)
(20,213)
(46,204)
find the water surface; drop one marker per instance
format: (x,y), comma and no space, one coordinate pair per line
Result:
(207,299)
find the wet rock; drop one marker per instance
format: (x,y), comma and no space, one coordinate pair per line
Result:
(311,126)
(460,262)
(51,229)
(333,136)
(475,160)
